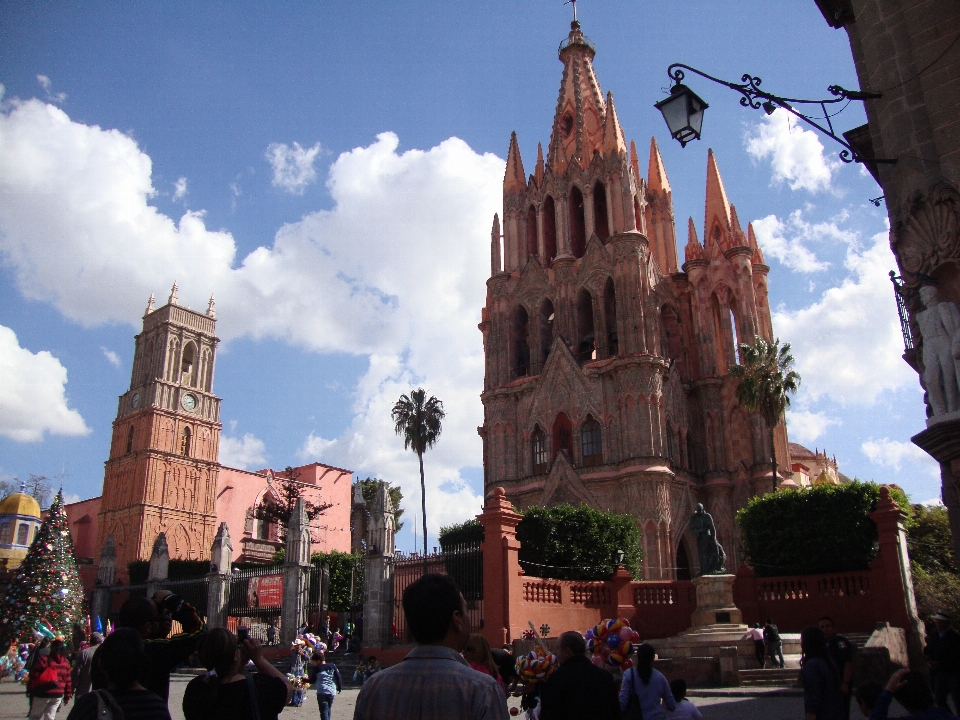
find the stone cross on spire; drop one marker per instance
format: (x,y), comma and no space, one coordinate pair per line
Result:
(574,3)
(211,309)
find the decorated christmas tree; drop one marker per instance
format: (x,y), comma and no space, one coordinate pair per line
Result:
(46,591)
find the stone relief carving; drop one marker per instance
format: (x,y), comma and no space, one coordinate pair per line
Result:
(930,234)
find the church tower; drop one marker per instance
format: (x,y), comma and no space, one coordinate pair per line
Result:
(161,475)
(607,366)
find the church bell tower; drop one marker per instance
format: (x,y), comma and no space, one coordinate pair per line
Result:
(161,475)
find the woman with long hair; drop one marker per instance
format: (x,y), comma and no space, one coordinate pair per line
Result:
(478,654)
(649,685)
(822,699)
(123,661)
(225,693)
(49,682)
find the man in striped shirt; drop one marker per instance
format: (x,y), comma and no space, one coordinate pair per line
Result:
(433,682)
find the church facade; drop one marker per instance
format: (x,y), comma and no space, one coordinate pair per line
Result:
(607,361)
(163,472)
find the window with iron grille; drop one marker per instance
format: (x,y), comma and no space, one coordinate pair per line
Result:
(539,443)
(591,442)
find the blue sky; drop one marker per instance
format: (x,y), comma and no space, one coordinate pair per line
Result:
(329,172)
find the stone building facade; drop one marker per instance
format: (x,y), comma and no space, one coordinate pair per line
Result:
(163,472)
(909,51)
(606,379)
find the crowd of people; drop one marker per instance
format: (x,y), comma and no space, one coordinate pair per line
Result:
(451,673)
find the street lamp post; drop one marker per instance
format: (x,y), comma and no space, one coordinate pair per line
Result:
(683,109)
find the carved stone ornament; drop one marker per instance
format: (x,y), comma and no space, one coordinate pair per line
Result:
(930,234)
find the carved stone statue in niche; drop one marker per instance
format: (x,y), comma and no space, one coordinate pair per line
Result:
(940,328)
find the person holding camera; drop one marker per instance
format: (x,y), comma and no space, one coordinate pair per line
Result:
(153,618)
(225,693)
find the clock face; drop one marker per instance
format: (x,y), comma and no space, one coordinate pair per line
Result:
(135,400)
(189,402)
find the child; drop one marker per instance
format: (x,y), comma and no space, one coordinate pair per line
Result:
(686,710)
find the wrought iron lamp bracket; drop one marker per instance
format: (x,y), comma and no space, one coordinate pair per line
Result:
(756,98)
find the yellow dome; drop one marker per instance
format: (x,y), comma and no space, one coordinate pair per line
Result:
(20,504)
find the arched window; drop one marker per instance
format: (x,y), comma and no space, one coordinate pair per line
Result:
(6,533)
(562,435)
(547,318)
(610,316)
(578,229)
(549,231)
(185,442)
(586,338)
(130,440)
(538,443)
(188,361)
(519,345)
(602,227)
(531,231)
(591,443)
(22,533)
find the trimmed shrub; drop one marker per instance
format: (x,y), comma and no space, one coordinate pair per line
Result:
(469,532)
(819,530)
(341,564)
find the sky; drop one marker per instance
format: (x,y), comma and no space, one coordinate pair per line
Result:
(329,173)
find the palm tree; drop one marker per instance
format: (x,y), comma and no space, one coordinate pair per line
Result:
(418,419)
(767,378)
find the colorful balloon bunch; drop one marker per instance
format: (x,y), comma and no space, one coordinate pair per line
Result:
(312,641)
(536,665)
(612,642)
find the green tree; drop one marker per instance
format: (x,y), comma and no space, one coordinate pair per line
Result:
(46,588)
(289,489)
(368,487)
(767,379)
(936,583)
(419,419)
(38,486)
(344,568)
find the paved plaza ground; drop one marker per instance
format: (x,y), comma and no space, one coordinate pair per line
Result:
(13,704)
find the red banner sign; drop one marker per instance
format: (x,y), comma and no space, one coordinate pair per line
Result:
(265,591)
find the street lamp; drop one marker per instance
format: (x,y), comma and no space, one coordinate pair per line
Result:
(683,109)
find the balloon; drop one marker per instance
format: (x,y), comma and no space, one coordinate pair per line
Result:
(597,660)
(589,634)
(613,641)
(514,711)
(626,665)
(626,633)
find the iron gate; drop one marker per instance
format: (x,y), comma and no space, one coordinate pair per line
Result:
(256,601)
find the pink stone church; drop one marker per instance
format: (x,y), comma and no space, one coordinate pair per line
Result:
(607,361)
(163,472)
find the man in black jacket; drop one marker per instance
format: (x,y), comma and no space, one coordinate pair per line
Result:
(152,618)
(578,689)
(943,655)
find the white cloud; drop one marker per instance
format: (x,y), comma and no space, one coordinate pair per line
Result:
(46,84)
(806,426)
(893,454)
(32,395)
(70,498)
(796,155)
(292,166)
(313,447)
(848,344)
(396,271)
(245,453)
(772,237)
(111,356)
(180,189)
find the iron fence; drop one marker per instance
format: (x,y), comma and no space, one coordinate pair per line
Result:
(256,601)
(463,563)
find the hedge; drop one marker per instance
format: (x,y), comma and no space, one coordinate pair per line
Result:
(823,529)
(565,542)
(340,565)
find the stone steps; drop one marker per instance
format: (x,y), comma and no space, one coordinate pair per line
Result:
(772,677)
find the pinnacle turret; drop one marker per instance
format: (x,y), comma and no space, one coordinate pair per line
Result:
(613,141)
(656,174)
(150,304)
(514,180)
(538,173)
(495,245)
(716,222)
(693,250)
(173,299)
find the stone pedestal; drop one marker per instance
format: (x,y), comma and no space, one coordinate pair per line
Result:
(715,601)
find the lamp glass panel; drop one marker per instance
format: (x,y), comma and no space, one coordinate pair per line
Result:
(675,112)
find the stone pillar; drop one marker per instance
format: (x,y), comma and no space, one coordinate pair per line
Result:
(729,667)
(106,575)
(941,440)
(622,592)
(159,565)
(891,571)
(502,582)
(296,576)
(378,571)
(218,579)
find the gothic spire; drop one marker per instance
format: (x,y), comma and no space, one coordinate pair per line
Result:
(717,207)
(613,141)
(656,173)
(150,303)
(739,237)
(581,110)
(634,160)
(538,173)
(752,240)
(693,250)
(514,180)
(173,299)
(495,246)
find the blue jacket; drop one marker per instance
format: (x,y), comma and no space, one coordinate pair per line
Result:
(649,695)
(327,678)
